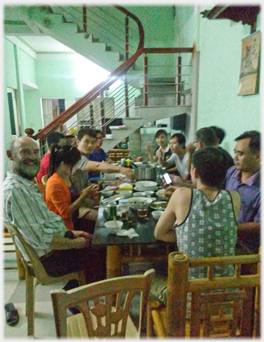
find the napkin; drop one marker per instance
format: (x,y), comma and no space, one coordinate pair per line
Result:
(129,233)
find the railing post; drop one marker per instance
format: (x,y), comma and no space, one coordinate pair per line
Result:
(177,286)
(30,132)
(92,114)
(145,80)
(179,80)
(102,112)
(84,18)
(127,56)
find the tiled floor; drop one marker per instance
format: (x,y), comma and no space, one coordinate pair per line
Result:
(14,292)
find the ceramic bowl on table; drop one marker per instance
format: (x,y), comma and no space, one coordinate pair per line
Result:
(109,176)
(125,193)
(113,226)
(149,193)
(157,214)
(107,193)
(146,186)
(158,205)
(161,194)
(139,194)
(133,201)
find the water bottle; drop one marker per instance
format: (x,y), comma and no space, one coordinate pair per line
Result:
(158,174)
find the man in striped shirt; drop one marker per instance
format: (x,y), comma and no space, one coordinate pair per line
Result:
(59,250)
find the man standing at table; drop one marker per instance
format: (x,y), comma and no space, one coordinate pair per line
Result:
(98,154)
(244,178)
(86,143)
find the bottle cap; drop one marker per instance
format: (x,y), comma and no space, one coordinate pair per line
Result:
(123,201)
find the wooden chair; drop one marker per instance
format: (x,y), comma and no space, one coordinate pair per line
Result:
(220,306)
(104,307)
(42,190)
(35,273)
(9,247)
(117,154)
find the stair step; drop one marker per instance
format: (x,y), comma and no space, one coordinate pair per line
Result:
(122,127)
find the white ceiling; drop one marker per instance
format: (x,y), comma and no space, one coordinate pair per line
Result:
(44,44)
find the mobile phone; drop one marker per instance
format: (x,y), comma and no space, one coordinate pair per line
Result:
(167,178)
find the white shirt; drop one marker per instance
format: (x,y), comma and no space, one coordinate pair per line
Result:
(182,165)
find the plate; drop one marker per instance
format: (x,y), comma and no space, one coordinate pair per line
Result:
(159,205)
(133,201)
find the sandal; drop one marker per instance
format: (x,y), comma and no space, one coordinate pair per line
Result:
(12,317)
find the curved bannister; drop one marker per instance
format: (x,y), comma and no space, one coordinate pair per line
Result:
(97,90)
(140,27)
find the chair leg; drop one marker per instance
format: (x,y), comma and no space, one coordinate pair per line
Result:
(152,305)
(81,279)
(20,267)
(30,303)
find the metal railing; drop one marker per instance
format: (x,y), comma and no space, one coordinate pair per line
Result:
(160,72)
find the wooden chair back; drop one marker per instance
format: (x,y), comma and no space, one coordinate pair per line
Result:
(42,190)
(220,306)
(117,154)
(104,306)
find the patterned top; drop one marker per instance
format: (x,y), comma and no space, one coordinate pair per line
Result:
(25,208)
(209,230)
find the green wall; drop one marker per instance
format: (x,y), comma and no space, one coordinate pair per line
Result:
(219,43)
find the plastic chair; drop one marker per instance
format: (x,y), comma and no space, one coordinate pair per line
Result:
(35,273)
(219,306)
(104,307)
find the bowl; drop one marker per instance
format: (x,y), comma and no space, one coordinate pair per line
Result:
(161,194)
(109,176)
(133,202)
(159,205)
(113,227)
(107,193)
(157,214)
(126,193)
(149,193)
(149,185)
(139,194)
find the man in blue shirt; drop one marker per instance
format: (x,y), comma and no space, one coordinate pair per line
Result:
(244,178)
(98,155)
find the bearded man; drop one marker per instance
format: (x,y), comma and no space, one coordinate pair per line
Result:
(59,250)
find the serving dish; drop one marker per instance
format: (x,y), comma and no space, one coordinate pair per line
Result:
(158,205)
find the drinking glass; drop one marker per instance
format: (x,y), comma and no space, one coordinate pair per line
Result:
(142,210)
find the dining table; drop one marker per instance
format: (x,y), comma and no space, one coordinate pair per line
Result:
(123,249)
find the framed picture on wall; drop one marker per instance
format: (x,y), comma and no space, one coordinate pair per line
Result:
(249,71)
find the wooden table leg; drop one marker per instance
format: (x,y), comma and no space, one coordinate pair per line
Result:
(113,261)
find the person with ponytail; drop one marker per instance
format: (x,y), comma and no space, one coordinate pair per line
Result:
(62,197)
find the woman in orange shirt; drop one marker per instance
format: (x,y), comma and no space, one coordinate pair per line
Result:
(62,197)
